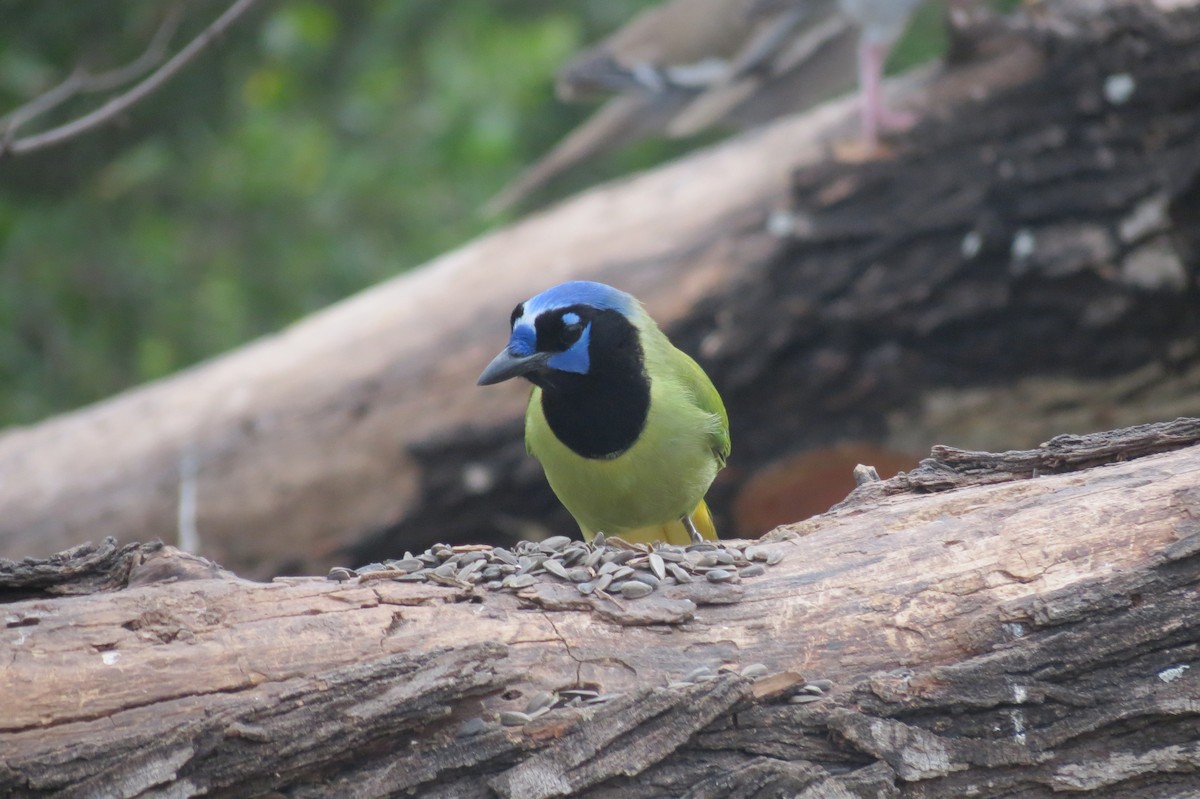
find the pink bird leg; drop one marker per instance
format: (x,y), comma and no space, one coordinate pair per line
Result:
(876,116)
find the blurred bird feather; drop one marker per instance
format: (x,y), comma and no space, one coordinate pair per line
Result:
(687,66)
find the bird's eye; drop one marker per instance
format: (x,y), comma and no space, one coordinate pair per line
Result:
(517,313)
(572,328)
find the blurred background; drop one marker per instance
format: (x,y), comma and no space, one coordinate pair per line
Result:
(1024,263)
(318,149)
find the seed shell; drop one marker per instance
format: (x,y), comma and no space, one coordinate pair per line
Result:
(634,589)
(514,718)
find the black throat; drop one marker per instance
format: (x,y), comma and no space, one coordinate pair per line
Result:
(600,414)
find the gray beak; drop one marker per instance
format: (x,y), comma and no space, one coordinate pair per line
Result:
(506,366)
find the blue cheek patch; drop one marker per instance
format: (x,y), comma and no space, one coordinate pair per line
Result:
(576,358)
(523,341)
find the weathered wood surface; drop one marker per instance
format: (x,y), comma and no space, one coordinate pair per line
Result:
(1020,638)
(1023,264)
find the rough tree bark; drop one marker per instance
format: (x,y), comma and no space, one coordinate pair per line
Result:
(1024,262)
(1020,624)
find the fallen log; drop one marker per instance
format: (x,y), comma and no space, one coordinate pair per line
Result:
(1022,263)
(990,635)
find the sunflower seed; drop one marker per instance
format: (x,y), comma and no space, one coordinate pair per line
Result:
(774,556)
(572,555)
(657,566)
(679,573)
(634,589)
(595,700)
(341,574)
(823,685)
(542,699)
(724,557)
(472,569)
(720,576)
(623,556)
(416,577)
(519,581)
(513,718)
(803,699)
(578,575)
(753,570)
(584,693)
(623,573)
(700,671)
(608,568)
(647,578)
(446,570)
(556,568)
(754,671)
(505,556)
(554,543)
(586,588)
(598,540)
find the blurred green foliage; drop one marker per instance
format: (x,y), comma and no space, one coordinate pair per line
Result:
(320,148)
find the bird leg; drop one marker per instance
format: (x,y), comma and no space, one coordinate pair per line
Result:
(876,116)
(690,526)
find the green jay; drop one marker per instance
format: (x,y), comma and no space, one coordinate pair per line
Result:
(629,430)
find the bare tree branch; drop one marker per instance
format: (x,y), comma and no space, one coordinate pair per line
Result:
(80,81)
(155,52)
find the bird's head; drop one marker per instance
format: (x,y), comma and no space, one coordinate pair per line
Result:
(576,328)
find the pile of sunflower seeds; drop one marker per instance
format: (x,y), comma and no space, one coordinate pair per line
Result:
(630,571)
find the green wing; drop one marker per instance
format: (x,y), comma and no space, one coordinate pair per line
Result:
(707,398)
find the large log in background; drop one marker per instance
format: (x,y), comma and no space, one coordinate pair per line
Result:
(1016,636)
(1025,262)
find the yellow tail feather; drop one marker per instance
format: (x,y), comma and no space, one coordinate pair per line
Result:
(671,532)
